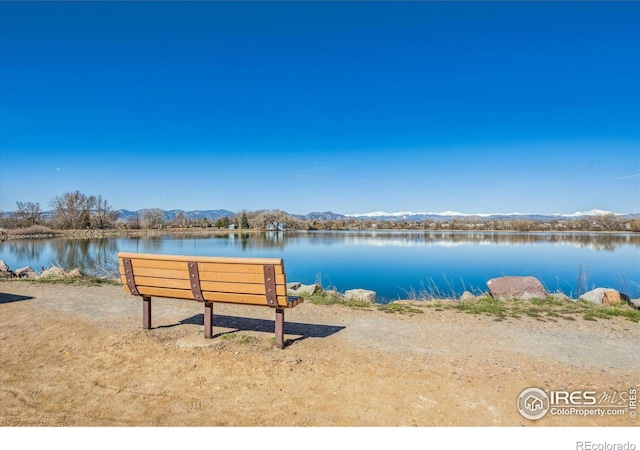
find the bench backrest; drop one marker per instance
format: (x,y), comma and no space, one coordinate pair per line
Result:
(255,281)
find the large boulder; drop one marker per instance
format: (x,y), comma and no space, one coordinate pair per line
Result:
(3,266)
(524,288)
(611,297)
(602,296)
(360,295)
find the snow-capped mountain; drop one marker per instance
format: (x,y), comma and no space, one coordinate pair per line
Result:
(449,215)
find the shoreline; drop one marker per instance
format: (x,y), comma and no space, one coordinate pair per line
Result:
(119,233)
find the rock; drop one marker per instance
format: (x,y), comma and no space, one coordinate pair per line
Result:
(7,274)
(598,296)
(524,288)
(305,289)
(635,303)
(593,296)
(3,266)
(293,286)
(76,273)
(360,295)
(611,297)
(467,297)
(53,272)
(26,272)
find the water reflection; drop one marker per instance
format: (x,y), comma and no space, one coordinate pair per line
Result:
(151,244)
(388,262)
(593,241)
(24,250)
(87,254)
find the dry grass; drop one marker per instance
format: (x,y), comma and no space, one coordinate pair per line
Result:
(33,230)
(549,309)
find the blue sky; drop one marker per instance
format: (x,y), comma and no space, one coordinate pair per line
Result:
(352,107)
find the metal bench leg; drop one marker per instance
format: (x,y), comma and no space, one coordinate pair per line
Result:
(146,313)
(208,320)
(280,327)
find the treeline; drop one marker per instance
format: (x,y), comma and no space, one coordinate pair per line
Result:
(609,222)
(77,211)
(71,211)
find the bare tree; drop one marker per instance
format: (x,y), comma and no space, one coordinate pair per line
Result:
(180,220)
(134,222)
(103,215)
(29,213)
(152,218)
(263,220)
(609,222)
(73,210)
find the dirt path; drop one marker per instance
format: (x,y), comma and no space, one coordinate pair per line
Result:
(74,355)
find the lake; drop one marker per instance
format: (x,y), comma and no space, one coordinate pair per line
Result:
(395,264)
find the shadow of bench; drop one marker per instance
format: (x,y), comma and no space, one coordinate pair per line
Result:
(10,298)
(303,330)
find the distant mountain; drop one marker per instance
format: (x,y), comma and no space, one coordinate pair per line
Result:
(125,215)
(450,215)
(212,214)
(327,215)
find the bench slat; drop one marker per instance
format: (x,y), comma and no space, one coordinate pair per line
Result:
(239,288)
(237,268)
(202,266)
(204,276)
(291,300)
(198,259)
(211,296)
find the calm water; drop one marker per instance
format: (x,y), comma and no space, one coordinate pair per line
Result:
(391,263)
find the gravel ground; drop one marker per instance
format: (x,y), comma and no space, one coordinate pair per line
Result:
(78,356)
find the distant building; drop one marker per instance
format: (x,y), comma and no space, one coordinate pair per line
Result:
(274,226)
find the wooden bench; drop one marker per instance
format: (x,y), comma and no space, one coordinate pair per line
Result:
(248,281)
